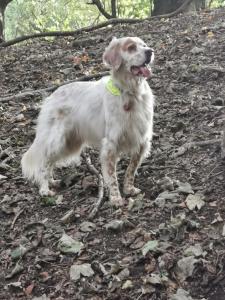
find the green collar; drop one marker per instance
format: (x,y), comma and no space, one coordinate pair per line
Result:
(112,88)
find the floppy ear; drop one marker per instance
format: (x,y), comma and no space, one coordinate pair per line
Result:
(112,56)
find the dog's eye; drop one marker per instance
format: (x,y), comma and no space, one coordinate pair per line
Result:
(132,47)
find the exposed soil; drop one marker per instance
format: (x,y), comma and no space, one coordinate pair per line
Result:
(189,85)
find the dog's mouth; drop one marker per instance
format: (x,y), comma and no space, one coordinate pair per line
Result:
(143,70)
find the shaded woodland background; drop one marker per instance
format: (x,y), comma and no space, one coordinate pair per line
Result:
(21,17)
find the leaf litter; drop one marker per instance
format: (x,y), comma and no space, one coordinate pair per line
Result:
(182,232)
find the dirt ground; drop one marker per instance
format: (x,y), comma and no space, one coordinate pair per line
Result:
(168,242)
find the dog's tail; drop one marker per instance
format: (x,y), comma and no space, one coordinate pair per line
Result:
(33,162)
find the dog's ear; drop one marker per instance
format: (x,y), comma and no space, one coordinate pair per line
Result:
(112,55)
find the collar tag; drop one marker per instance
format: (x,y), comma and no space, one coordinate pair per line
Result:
(112,88)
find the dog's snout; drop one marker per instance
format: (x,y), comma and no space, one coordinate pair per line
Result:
(148,54)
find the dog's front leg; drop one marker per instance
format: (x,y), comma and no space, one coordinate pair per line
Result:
(135,161)
(109,157)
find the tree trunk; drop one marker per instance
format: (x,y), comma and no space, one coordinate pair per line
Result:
(3,4)
(167,6)
(113,8)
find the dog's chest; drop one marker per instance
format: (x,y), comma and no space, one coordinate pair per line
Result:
(136,121)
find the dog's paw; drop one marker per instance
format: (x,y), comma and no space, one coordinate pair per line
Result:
(116,201)
(46,192)
(130,190)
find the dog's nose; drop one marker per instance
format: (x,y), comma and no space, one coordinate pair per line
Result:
(148,54)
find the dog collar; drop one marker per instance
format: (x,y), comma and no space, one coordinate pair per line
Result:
(112,88)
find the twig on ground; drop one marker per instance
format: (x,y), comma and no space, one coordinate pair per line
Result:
(42,92)
(33,224)
(16,217)
(187,146)
(100,201)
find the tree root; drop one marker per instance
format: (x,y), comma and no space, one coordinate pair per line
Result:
(100,201)
(42,92)
(187,146)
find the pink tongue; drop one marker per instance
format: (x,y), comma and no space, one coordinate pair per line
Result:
(145,71)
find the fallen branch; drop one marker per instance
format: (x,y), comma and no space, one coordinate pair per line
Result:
(93,28)
(16,217)
(42,92)
(214,68)
(100,201)
(187,146)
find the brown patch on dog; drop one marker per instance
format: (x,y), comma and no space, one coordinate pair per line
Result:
(61,113)
(112,56)
(129,46)
(73,142)
(111,163)
(135,159)
(128,105)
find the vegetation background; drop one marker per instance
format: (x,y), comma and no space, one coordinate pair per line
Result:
(23,17)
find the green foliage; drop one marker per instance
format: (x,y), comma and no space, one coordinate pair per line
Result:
(134,9)
(23,17)
(26,16)
(216,3)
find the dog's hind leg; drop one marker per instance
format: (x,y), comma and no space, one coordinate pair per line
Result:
(135,161)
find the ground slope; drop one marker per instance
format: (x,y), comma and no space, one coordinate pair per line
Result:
(167,243)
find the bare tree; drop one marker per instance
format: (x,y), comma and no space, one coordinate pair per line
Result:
(101,8)
(3,5)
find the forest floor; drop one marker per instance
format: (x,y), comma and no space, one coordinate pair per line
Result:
(168,242)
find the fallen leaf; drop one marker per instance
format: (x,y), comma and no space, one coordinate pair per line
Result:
(195,201)
(2,177)
(29,289)
(127,285)
(87,226)
(115,225)
(210,34)
(18,252)
(197,50)
(181,295)
(15,286)
(195,250)
(69,245)
(218,218)
(149,246)
(123,274)
(185,267)
(184,187)
(160,201)
(77,270)
(68,217)
(155,279)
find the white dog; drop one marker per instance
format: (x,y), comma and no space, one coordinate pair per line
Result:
(114,113)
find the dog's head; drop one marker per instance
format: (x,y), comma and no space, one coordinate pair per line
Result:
(129,54)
